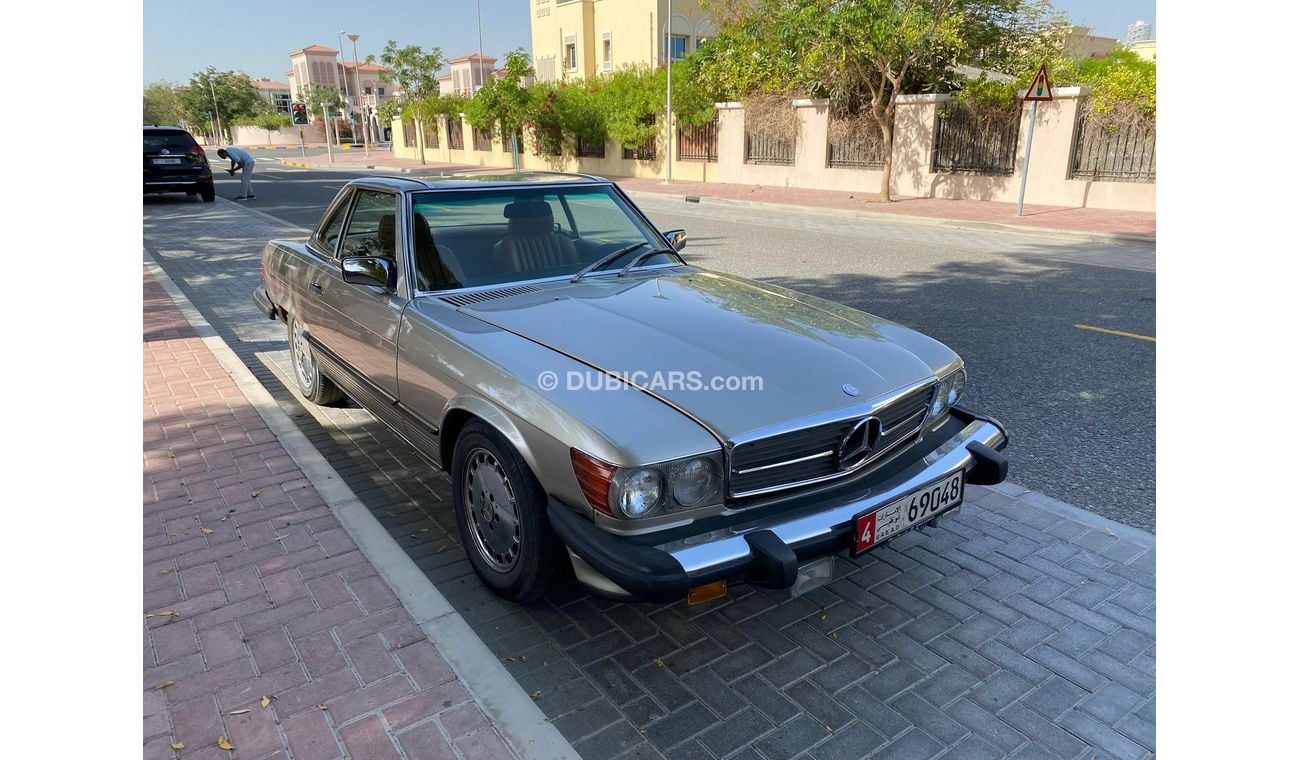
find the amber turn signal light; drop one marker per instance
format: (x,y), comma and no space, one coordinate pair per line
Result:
(708,592)
(594,476)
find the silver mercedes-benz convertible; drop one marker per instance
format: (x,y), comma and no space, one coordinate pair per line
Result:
(599,403)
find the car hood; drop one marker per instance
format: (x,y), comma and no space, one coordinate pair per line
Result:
(672,334)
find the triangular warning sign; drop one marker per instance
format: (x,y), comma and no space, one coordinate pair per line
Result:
(1040,88)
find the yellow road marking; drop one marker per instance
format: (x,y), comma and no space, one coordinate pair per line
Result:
(1120,333)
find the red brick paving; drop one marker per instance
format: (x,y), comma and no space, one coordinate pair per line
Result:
(252,588)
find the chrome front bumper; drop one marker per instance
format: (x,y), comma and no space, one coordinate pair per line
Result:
(767,551)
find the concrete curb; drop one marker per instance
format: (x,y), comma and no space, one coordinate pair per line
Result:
(521,722)
(884,216)
(346,168)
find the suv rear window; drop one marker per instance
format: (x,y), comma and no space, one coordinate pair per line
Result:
(157,139)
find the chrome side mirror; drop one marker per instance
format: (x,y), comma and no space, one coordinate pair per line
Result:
(676,238)
(370,270)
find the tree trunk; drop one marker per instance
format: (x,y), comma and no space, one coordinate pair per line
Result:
(887,148)
(419,138)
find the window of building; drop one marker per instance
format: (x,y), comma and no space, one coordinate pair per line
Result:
(570,56)
(380,90)
(607,49)
(368,89)
(677,44)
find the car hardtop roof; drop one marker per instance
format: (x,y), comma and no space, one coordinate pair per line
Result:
(478,181)
(171,127)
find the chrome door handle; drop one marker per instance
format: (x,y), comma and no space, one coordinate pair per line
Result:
(316,287)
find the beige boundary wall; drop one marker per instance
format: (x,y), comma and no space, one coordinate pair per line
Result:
(613,164)
(312,133)
(915,124)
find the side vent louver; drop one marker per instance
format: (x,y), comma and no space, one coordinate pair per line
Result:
(479,296)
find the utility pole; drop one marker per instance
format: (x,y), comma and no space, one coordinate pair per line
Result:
(668,112)
(356,67)
(215,109)
(478,9)
(347,103)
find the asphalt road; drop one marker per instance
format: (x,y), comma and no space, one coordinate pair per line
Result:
(1079,403)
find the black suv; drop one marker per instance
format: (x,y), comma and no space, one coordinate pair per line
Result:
(175,163)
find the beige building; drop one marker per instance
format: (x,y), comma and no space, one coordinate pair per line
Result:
(582,38)
(1145,49)
(319,66)
(1082,43)
(276,94)
(466,74)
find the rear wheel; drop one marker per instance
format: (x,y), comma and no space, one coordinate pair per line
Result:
(501,514)
(313,384)
(208,194)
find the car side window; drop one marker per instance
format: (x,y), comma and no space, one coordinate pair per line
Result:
(327,237)
(372,230)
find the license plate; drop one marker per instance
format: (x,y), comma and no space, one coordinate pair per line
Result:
(167,160)
(918,506)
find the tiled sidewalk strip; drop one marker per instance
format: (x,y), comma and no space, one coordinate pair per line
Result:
(253,590)
(1021,628)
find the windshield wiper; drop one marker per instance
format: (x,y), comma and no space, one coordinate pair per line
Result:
(606,259)
(640,257)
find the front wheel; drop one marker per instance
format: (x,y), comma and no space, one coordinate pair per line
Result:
(501,514)
(313,383)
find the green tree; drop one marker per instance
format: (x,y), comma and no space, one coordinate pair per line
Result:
(235,94)
(502,104)
(271,121)
(415,73)
(161,104)
(863,54)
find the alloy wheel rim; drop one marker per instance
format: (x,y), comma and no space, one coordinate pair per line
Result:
(302,358)
(491,510)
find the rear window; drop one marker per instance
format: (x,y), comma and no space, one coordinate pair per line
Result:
(158,139)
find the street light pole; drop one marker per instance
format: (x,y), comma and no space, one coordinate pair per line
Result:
(347,104)
(356,67)
(668,112)
(478,9)
(215,109)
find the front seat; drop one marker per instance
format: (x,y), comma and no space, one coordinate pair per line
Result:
(531,241)
(435,268)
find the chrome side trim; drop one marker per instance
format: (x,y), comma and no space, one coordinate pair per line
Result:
(948,458)
(808,458)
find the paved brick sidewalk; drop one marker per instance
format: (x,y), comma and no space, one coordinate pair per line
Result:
(1049,218)
(253,589)
(1022,628)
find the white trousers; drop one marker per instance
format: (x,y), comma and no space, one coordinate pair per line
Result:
(246,188)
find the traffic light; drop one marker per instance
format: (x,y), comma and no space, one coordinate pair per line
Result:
(299,113)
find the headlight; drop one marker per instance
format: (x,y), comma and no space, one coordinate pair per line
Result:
(695,481)
(633,492)
(948,393)
(636,493)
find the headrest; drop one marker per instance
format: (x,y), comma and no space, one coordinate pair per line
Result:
(528,210)
(388,232)
(530,218)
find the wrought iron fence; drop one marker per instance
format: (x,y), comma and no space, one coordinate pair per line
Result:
(408,133)
(482,139)
(589,148)
(455,134)
(1114,152)
(431,135)
(968,141)
(855,151)
(768,149)
(698,142)
(648,149)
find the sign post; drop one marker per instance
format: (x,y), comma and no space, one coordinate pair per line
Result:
(329,117)
(1039,90)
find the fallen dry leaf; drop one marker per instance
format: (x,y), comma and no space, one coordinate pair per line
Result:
(223,744)
(237,712)
(659,663)
(508,659)
(166,570)
(205,531)
(178,745)
(1109,531)
(321,707)
(424,530)
(835,634)
(171,454)
(164,684)
(266,700)
(825,615)
(523,658)
(536,695)
(257,493)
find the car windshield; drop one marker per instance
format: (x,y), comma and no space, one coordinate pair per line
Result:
(171,139)
(470,238)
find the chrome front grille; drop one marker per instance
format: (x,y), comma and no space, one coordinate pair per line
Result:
(809,455)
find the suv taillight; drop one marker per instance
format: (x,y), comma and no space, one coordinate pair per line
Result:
(197,155)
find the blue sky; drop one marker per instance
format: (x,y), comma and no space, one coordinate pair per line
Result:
(256,37)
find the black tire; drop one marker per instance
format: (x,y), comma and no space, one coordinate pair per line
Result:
(208,194)
(312,383)
(537,560)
